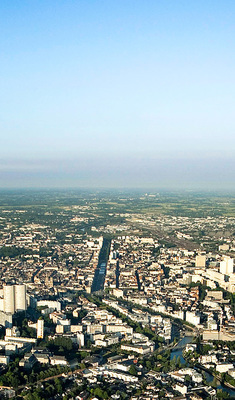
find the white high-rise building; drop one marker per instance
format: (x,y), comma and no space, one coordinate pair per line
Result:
(226,266)
(14,298)
(40,329)
(200,261)
(9,299)
(80,339)
(20,298)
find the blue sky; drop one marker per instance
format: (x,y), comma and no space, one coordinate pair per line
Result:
(117,93)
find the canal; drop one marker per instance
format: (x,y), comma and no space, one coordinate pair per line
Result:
(100,272)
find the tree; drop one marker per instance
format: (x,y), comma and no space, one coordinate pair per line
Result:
(187,378)
(148,364)
(102,394)
(133,370)
(58,386)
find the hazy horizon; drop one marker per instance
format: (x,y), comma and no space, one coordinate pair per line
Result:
(172,173)
(121,94)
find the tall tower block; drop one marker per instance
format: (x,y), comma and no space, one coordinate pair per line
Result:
(40,329)
(20,298)
(9,298)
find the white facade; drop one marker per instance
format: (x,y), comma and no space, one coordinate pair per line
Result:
(13,332)
(224,367)
(2,304)
(80,339)
(9,299)
(121,375)
(56,305)
(58,360)
(192,318)
(197,378)
(200,261)
(141,349)
(4,360)
(124,329)
(226,266)
(231,372)
(224,247)
(40,329)
(6,319)
(208,359)
(14,298)
(180,387)
(20,298)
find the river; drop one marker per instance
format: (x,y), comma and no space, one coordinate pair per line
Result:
(209,378)
(179,352)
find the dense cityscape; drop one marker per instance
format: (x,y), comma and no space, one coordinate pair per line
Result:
(117,295)
(117,200)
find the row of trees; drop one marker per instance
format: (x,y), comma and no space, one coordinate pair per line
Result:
(15,376)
